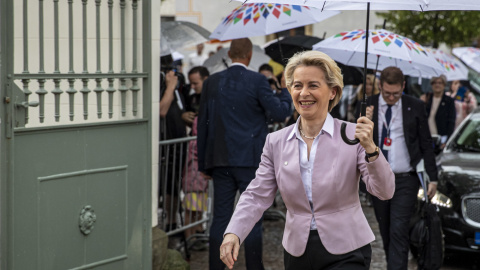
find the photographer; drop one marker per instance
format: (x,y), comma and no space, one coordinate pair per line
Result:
(172,126)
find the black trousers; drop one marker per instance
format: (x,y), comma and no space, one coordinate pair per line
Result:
(316,257)
(226,182)
(393,218)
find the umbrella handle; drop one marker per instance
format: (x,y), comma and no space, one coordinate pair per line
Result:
(343,128)
(344,135)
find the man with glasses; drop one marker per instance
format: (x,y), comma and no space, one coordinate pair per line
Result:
(401,131)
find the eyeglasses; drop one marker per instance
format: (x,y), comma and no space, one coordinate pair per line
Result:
(437,82)
(396,95)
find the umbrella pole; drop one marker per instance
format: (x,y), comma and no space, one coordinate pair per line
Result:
(280,48)
(363,104)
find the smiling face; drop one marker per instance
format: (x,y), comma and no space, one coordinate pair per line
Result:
(310,92)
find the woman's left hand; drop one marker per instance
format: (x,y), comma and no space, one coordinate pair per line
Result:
(364,132)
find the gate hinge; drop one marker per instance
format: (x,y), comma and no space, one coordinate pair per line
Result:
(6,100)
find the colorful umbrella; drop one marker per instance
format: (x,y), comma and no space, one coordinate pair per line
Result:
(419,5)
(453,68)
(261,19)
(378,5)
(351,4)
(394,50)
(469,55)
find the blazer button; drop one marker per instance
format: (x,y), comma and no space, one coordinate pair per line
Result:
(286,163)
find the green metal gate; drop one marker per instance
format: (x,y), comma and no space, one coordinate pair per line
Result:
(75,134)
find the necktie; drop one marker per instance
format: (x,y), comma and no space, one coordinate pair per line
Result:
(388,117)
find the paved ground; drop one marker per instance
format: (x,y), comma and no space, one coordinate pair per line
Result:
(273,250)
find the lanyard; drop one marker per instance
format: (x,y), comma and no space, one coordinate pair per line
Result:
(391,121)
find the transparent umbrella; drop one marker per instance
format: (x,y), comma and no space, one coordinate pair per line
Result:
(178,34)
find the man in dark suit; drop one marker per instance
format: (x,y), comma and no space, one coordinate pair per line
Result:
(232,128)
(401,131)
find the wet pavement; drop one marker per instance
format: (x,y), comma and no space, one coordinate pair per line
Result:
(273,250)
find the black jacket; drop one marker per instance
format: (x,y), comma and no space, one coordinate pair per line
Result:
(232,121)
(445,116)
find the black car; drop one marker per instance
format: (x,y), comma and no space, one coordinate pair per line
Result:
(458,196)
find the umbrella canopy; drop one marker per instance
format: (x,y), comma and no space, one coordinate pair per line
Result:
(220,60)
(419,5)
(454,69)
(394,50)
(289,46)
(352,4)
(259,19)
(376,5)
(451,5)
(469,55)
(178,34)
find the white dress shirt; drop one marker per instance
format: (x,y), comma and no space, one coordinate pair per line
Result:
(398,155)
(306,164)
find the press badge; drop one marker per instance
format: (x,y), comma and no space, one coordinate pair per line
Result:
(387,144)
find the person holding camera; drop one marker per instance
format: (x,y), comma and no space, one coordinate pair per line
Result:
(172,126)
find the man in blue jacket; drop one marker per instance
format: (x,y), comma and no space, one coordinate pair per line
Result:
(232,127)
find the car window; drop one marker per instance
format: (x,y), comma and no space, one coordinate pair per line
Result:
(468,139)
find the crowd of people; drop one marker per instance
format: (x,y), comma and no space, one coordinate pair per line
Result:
(233,113)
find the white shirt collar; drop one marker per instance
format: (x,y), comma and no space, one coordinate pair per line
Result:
(238,64)
(328,127)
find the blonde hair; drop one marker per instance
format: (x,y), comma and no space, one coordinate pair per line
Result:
(375,90)
(333,74)
(441,78)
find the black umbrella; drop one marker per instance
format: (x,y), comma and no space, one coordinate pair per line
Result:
(290,45)
(283,49)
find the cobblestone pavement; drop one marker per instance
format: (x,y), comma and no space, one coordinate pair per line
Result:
(273,250)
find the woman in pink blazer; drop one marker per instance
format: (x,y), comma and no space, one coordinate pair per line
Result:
(317,175)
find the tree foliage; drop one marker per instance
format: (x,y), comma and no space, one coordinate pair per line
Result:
(431,28)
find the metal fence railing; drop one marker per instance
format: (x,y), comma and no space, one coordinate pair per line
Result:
(185,197)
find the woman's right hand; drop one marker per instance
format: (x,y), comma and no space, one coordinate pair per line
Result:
(229,249)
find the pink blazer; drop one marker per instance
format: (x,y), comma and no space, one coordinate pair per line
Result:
(340,221)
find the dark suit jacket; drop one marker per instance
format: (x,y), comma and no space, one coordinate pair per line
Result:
(416,131)
(445,116)
(232,123)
